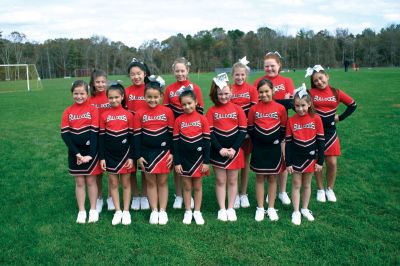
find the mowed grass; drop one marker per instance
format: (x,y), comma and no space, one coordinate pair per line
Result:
(38,206)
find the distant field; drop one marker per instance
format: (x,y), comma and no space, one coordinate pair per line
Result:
(38,206)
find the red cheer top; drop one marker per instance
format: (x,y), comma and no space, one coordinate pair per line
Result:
(244,95)
(100,101)
(282,85)
(134,97)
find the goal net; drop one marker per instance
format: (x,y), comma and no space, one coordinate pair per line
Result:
(19,77)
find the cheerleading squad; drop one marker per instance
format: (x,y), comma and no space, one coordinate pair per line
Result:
(144,127)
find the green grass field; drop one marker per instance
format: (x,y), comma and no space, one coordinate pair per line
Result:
(38,206)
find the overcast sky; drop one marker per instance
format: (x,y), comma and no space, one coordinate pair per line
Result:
(135,21)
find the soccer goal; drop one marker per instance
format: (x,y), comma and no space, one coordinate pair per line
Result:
(18,77)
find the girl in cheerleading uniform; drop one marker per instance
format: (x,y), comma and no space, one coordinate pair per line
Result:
(139,73)
(266,126)
(116,150)
(180,68)
(191,153)
(326,100)
(153,140)
(98,98)
(228,129)
(244,95)
(79,130)
(304,151)
(283,88)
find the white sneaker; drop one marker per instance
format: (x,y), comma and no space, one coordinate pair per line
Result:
(321,195)
(99,205)
(330,195)
(144,203)
(266,199)
(198,218)
(308,214)
(231,214)
(117,218)
(296,218)
(222,216)
(135,203)
(236,205)
(178,202)
(260,214)
(126,218)
(187,217)
(110,204)
(283,196)
(153,217)
(244,201)
(273,216)
(162,218)
(93,216)
(192,203)
(81,219)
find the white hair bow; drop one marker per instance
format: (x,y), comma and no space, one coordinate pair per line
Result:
(136,60)
(310,71)
(301,91)
(221,80)
(275,53)
(244,61)
(158,79)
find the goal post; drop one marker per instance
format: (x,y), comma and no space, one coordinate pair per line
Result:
(14,76)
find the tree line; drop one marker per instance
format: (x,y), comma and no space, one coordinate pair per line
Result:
(206,50)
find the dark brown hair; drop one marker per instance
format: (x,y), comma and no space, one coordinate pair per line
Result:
(214,93)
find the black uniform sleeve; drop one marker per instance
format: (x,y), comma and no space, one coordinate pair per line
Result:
(138,143)
(287,103)
(132,145)
(214,142)
(71,146)
(93,142)
(101,145)
(321,150)
(206,149)
(239,139)
(288,148)
(175,151)
(349,110)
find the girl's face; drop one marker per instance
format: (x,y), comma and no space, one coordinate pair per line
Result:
(224,95)
(265,93)
(181,72)
(188,104)
(152,97)
(80,95)
(100,84)
(137,75)
(301,106)
(115,98)
(271,67)
(320,80)
(240,76)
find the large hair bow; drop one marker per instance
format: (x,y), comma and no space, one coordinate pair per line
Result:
(310,71)
(275,53)
(301,91)
(158,79)
(221,80)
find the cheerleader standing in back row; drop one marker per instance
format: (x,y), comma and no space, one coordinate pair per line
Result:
(139,74)
(245,96)
(153,141)
(180,68)
(116,150)
(266,126)
(79,130)
(304,151)
(191,153)
(326,100)
(228,129)
(283,87)
(98,98)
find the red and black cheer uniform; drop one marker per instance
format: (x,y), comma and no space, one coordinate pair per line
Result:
(304,143)
(79,130)
(191,143)
(267,127)
(116,140)
(134,97)
(282,86)
(228,124)
(326,103)
(245,96)
(153,137)
(100,101)
(171,97)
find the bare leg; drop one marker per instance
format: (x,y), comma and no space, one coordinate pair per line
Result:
(260,190)
(296,185)
(232,180)
(282,181)
(306,183)
(92,191)
(126,185)
(80,192)
(319,177)
(331,168)
(113,184)
(198,193)
(99,181)
(244,174)
(271,190)
(220,186)
(144,185)
(162,184)
(134,185)
(178,184)
(187,192)
(152,190)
